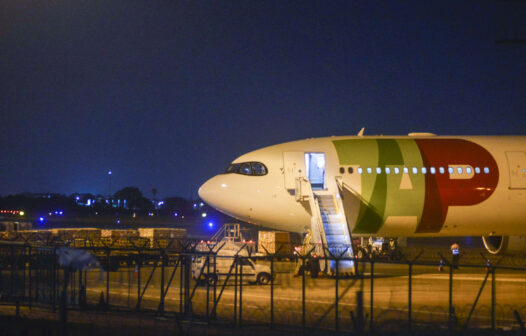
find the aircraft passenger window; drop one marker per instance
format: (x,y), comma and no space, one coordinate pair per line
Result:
(415,170)
(342,170)
(406,170)
(432,170)
(486,170)
(387,170)
(424,170)
(245,169)
(451,170)
(477,170)
(468,170)
(397,170)
(258,168)
(369,170)
(441,170)
(378,170)
(360,170)
(459,170)
(350,170)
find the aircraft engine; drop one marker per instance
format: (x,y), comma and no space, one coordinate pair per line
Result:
(505,244)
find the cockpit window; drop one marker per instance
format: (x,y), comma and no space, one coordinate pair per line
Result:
(233,168)
(247,168)
(258,168)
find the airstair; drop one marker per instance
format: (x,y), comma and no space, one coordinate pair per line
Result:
(329,232)
(229,237)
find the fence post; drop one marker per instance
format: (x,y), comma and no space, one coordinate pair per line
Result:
(207,287)
(372,296)
(161,304)
(409,298)
(240,294)
(271,292)
(303,319)
(493,301)
(236,260)
(30,261)
(139,262)
(336,319)
(451,312)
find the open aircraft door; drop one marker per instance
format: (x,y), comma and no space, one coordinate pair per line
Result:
(294,167)
(517,168)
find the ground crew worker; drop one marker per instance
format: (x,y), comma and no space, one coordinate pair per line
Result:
(455,253)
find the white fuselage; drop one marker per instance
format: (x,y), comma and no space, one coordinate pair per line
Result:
(396,186)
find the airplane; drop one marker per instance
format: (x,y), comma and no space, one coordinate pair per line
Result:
(419,185)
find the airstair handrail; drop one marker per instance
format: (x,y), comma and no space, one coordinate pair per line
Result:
(316,214)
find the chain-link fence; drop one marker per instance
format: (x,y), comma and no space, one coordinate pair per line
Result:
(240,289)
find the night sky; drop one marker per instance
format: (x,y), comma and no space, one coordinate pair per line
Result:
(167,93)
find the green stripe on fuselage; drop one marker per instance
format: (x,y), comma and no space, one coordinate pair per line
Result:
(381,193)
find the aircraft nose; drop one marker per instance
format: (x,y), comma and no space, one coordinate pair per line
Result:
(210,192)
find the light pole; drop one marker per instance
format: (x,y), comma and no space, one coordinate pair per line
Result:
(109,183)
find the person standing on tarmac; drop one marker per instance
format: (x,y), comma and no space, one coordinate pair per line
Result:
(455,254)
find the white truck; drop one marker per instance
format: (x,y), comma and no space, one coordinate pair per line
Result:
(224,265)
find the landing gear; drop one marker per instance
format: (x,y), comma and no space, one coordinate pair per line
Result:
(377,247)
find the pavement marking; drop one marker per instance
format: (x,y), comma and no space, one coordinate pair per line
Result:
(463,278)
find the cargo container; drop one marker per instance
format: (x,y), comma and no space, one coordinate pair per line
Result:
(274,242)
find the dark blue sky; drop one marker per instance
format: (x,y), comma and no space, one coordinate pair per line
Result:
(167,93)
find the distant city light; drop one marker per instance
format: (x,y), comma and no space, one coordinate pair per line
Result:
(22,213)
(176,214)
(41,219)
(210,224)
(118,221)
(203,214)
(201,204)
(61,213)
(160,203)
(77,198)
(109,172)
(88,203)
(195,205)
